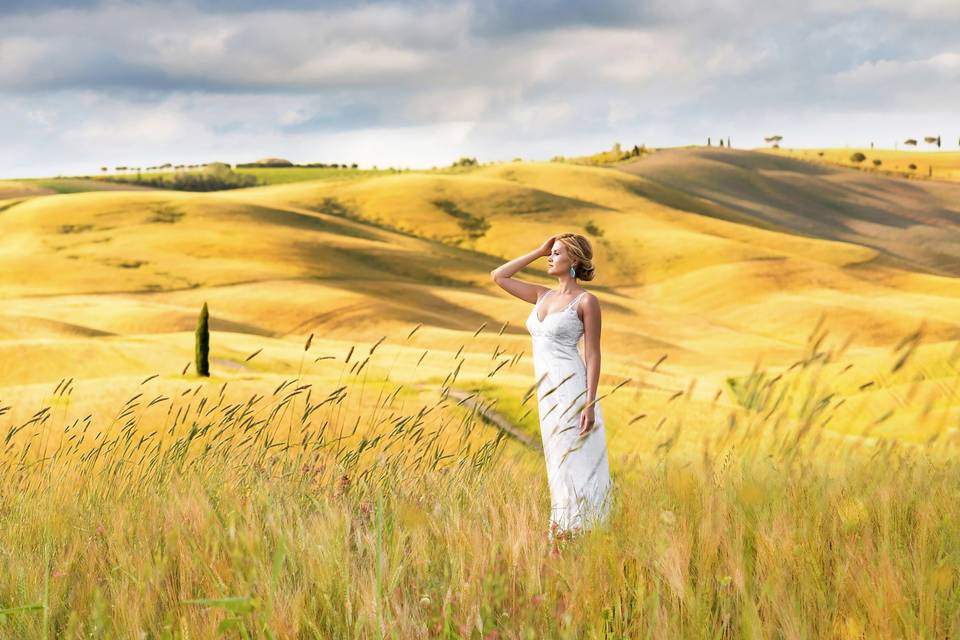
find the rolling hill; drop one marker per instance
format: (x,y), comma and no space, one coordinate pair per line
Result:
(708,261)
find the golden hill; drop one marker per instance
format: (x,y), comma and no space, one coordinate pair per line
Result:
(930,164)
(913,225)
(712,258)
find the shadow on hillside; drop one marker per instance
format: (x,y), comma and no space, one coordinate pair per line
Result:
(911,225)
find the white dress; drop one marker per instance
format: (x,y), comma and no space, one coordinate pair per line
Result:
(577,469)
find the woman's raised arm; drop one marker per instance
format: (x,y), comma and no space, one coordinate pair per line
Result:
(503,275)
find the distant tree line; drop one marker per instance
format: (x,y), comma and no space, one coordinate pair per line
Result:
(616,154)
(912,142)
(321,165)
(160,167)
(268,163)
(215,176)
(277,163)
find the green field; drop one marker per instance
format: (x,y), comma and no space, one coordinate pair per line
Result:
(283,175)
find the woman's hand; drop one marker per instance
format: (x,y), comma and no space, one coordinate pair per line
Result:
(587,421)
(545,249)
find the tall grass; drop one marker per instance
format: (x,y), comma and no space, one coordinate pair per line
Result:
(291,515)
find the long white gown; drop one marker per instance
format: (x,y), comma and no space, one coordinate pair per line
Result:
(577,468)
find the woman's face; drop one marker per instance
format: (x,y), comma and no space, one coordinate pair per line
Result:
(558,261)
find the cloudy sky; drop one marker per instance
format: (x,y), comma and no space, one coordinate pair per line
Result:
(85,83)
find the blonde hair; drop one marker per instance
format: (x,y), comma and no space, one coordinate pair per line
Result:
(580,252)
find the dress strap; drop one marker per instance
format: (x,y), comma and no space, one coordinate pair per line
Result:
(577,299)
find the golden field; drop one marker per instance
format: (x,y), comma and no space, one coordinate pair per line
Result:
(927,164)
(779,379)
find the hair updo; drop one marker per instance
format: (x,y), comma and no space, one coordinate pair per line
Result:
(580,252)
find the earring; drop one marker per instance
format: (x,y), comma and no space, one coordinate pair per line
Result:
(573,272)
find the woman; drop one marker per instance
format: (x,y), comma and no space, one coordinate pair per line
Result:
(571,422)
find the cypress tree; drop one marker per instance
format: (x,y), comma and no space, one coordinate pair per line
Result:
(203,343)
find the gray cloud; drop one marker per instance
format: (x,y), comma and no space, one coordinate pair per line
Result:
(11,7)
(489,78)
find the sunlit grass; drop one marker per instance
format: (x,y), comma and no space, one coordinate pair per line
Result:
(298,514)
(928,162)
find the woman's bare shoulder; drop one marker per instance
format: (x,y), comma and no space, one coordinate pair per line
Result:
(589,300)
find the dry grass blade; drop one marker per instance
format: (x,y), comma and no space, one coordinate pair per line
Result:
(657,364)
(550,391)
(573,402)
(533,388)
(498,367)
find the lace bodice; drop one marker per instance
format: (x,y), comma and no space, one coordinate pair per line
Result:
(562,326)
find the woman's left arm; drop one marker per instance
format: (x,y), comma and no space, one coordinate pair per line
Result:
(591,346)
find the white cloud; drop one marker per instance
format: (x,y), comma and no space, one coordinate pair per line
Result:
(919,84)
(135,129)
(144,82)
